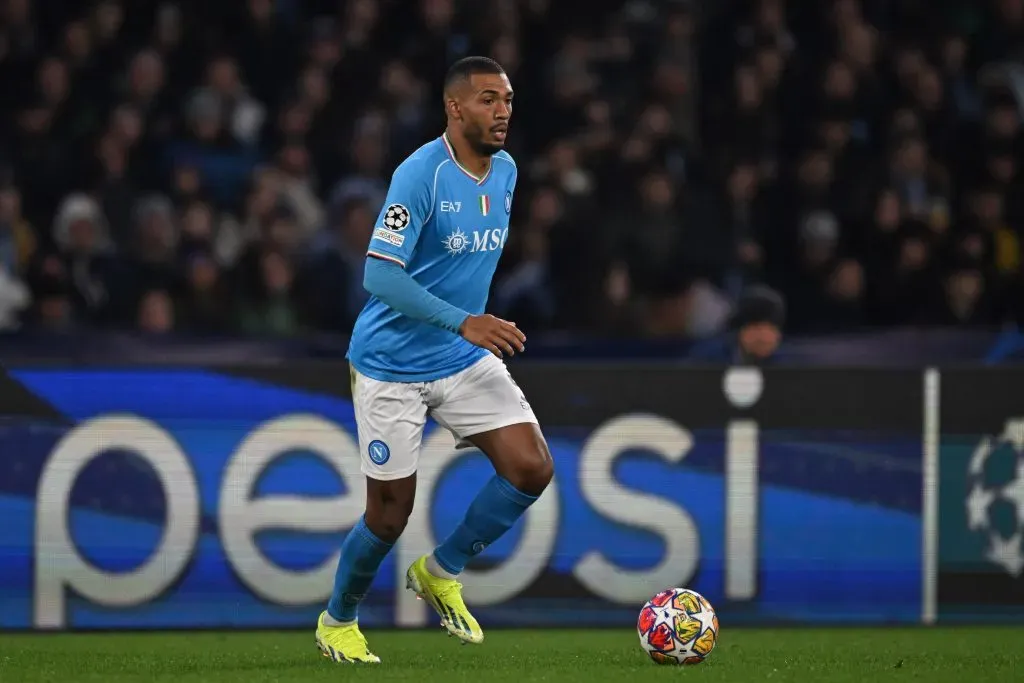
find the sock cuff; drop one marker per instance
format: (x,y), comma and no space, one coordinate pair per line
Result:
(370,537)
(445,564)
(506,489)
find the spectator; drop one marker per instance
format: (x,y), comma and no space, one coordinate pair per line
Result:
(18,241)
(53,310)
(336,264)
(156,312)
(89,268)
(226,161)
(755,331)
(271,309)
(206,305)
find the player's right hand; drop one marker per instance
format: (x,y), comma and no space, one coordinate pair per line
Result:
(498,336)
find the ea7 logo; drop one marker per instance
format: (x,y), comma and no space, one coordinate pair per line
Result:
(450,207)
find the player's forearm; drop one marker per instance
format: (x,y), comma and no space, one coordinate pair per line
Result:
(396,288)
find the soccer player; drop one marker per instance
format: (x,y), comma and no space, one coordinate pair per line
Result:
(422,346)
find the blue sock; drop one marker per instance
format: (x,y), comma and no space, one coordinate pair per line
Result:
(493,512)
(361,555)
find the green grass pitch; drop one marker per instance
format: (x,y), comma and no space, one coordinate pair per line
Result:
(932,655)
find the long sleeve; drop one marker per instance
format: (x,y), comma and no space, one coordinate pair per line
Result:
(390,283)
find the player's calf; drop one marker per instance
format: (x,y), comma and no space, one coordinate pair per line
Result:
(388,506)
(523,470)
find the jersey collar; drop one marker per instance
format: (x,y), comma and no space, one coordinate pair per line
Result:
(451,155)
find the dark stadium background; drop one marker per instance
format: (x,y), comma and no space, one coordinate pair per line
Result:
(187,188)
(202,168)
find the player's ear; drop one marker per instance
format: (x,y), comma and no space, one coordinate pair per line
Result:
(453,109)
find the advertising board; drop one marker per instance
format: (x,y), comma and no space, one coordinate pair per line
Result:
(213,497)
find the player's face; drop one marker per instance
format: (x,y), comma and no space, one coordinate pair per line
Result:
(486,111)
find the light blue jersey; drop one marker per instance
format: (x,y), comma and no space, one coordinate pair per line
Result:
(447,228)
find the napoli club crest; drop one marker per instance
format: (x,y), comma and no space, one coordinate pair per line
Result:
(379,452)
(508,202)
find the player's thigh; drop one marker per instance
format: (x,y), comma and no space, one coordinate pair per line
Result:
(484,407)
(481,398)
(390,417)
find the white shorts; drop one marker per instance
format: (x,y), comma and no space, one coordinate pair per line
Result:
(390,416)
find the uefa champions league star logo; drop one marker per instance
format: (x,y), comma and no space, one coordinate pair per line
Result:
(995,497)
(456,242)
(396,218)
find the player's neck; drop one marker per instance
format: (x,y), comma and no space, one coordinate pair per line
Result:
(465,156)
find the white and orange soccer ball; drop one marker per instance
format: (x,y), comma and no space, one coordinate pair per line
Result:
(678,626)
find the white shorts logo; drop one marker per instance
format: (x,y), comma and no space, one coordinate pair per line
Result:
(389,237)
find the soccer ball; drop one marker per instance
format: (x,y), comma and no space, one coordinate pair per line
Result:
(678,626)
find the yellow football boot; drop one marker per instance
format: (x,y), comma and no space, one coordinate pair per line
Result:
(445,596)
(343,643)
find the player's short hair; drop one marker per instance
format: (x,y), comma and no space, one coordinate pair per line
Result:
(470,66)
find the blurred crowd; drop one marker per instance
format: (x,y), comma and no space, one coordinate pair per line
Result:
(217,167)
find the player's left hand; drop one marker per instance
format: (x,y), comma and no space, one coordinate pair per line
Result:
(498,336)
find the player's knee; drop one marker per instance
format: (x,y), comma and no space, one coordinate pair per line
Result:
(388,506)
(532,471)
(389,525)
(388,521)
